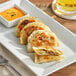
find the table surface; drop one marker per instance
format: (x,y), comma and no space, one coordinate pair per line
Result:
(70,24)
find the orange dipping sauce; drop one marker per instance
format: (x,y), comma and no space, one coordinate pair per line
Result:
(12,13)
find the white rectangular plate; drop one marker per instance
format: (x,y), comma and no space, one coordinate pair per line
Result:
(66,38)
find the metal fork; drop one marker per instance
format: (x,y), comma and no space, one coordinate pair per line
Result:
(4,61)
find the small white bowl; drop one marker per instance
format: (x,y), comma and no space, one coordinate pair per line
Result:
(12,22)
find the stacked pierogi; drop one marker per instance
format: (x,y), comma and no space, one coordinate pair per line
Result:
(39,38)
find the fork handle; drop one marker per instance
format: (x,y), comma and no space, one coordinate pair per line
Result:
(14,69)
